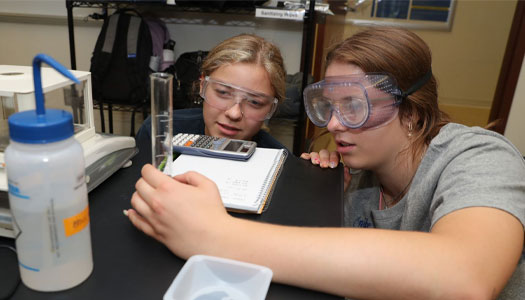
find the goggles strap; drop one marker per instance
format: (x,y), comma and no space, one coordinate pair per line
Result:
(417,85)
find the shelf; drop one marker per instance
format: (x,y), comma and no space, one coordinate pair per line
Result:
(158,4)
(309,19)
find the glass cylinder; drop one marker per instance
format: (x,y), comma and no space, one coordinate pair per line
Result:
(162,120)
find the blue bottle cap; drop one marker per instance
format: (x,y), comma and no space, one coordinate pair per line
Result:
(42,126)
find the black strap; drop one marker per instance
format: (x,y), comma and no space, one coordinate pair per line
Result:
(135,22)
(106,52)
(111,33)
(133,36)
(416,86)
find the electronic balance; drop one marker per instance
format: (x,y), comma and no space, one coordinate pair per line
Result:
(104,154)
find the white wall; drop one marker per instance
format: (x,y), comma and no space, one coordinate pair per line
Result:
(28,27)
(44,7)
(198,31)
(515,130)
(22,38)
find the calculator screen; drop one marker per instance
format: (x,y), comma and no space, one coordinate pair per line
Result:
(233,146)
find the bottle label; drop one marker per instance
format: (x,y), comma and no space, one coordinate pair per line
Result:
(76,223)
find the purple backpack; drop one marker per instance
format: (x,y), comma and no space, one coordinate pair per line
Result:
(162,45)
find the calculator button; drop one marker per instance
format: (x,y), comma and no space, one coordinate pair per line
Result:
(217,143)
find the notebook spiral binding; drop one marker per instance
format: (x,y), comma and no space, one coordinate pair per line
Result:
(270,180)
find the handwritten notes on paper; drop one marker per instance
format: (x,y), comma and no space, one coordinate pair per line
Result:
(243,185)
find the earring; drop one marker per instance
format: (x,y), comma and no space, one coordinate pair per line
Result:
(410,129)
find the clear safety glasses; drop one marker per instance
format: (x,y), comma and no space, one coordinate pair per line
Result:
(223,96)
(358,101)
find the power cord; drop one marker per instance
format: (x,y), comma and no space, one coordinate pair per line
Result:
(9,272)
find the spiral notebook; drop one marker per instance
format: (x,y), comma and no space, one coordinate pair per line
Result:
(245,186)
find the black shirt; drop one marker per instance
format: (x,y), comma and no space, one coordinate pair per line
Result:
(191,121)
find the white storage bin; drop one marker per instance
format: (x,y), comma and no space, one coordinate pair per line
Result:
(206,277)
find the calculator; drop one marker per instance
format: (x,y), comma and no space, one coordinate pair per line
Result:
(220,147)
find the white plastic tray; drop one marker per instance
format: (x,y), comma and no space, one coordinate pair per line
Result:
(213,278)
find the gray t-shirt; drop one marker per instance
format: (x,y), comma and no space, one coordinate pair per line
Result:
(463,167)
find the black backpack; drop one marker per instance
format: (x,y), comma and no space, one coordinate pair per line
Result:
(120,62)
(187,71)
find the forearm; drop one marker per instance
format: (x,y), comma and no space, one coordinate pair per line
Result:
(470,253)
(360,263)
(338,261)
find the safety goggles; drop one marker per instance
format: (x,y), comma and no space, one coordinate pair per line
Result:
(223,96)
(359,101)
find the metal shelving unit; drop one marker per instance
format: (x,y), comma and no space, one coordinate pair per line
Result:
(309,23)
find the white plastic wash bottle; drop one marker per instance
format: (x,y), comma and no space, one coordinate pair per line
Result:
(48,194)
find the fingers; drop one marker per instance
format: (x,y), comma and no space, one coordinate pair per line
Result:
(329,158)
(143,188)
(141,223)
(140,205)
(151,186)
(153,176)
(334,159)
(323,158)
(193,178)
(199,184)
(312,156)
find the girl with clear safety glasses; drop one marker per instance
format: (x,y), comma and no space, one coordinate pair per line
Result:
(443,204)
(243,80)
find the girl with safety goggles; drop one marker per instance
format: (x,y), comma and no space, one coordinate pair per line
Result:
(443,204)
(243,79)
(365,100)
(241,85)
(223,96)
(435,188)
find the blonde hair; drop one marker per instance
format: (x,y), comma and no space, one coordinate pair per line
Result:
(406,57)
(249,48)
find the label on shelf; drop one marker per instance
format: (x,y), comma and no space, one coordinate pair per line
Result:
(276,13)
